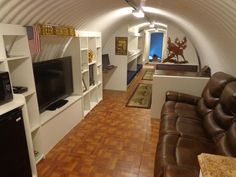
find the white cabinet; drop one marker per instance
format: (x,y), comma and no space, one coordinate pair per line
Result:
(58,126)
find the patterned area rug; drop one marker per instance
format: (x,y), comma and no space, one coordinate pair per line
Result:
(141,98)
(148,75)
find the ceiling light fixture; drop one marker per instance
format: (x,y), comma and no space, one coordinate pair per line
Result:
(138,13)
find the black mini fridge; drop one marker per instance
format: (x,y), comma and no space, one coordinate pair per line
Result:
(14,158)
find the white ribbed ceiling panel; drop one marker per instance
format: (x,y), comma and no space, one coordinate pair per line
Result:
(67,12)
(210,24)
(82,12)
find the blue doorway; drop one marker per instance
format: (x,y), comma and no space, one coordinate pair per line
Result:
(156,46)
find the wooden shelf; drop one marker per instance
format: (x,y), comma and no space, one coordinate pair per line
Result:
(39,157)
(84,71)
(93,62)
(86,92)
(35,127)
(10,106)
(29,93)
(83,48)
(20,57)
(134,55)
(104,70)
(92,87)
(99,83)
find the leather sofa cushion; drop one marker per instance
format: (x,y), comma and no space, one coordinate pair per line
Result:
(202,109)
(179,171)
(180,151)
(227,144)
(228,99)
(222,119)
(184,127)
(217,83)
(209,99)
(213,130)
(212,92)
(181,97)
(179,109)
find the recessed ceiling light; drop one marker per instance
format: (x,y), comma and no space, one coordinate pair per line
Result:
(138,13)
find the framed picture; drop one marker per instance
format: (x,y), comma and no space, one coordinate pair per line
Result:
(121,45)
(84,86)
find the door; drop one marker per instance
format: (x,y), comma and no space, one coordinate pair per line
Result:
(156,47)
(14,161)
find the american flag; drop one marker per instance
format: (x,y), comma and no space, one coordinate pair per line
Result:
(33,39)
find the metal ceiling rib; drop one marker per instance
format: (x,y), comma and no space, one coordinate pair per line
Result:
(221,14)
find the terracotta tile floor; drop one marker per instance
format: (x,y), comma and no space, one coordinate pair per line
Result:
(112,141)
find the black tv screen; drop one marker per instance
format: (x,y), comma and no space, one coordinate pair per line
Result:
(53,80)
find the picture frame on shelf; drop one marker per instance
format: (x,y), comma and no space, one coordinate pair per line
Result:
(84,86)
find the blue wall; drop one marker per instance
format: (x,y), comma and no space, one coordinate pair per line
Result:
(156,45)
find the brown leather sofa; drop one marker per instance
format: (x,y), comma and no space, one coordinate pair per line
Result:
(192,125)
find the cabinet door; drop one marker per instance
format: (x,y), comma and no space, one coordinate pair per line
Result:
(14,159)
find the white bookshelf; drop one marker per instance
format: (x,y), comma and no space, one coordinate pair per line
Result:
(15,58)
(94,92)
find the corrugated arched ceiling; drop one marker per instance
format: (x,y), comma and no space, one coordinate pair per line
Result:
(211,24)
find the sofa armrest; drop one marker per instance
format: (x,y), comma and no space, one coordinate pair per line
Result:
(178,171)
(181,97)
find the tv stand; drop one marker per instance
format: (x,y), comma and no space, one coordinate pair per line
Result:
(57,104)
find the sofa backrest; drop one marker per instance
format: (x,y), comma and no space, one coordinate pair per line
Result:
(212,92)
(205,71)
(227,143)
(220,124)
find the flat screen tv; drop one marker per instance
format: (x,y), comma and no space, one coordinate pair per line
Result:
(53,80)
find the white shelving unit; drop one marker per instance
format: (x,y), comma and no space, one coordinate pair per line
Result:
(91,72)
(117,79)
(15,58)
(134,57)
(45,130)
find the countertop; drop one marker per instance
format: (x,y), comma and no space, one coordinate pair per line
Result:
(217,166)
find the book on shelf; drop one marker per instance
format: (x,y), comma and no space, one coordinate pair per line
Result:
(91,75)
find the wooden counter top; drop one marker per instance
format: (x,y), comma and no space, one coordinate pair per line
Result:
(217,166)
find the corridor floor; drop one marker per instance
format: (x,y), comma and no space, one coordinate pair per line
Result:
(112,141)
